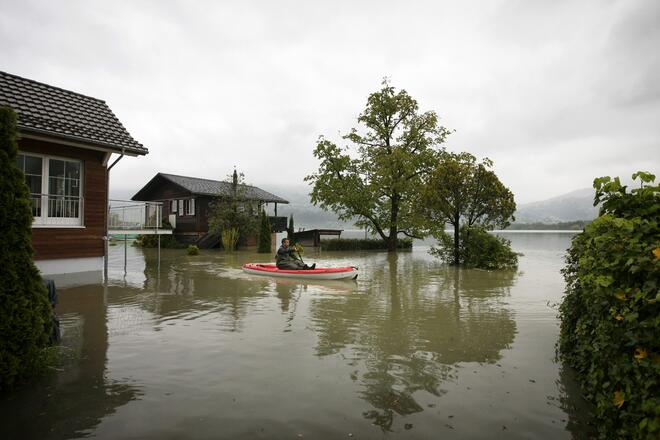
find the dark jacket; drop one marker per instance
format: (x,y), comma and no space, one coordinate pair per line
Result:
(285,254)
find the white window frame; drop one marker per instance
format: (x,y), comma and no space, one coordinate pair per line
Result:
(173,206)
(44,220)
(180,209)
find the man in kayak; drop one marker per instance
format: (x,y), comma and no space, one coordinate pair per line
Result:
(287,258)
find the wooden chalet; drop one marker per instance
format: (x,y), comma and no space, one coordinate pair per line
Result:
(186,203)
(65,143)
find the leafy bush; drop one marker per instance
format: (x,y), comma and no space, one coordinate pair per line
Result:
(265,235)
(478,249)
(610,315)
(25,313)
(357,244)
(192,250)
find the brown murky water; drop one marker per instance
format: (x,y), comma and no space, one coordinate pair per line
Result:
(413,349)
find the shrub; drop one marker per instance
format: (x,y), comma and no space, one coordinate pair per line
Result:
(25,313)
(265,235)
(230,239)
(192,250)
(610,315)
(358,244)
(166,242)
(477,249)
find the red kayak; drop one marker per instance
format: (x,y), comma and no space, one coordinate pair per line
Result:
(328,273)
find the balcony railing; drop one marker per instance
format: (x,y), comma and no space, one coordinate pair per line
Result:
(134,216)
(59,209)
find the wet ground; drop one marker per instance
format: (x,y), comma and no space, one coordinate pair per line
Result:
(194,348)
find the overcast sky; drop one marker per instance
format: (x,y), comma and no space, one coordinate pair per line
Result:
(555,92)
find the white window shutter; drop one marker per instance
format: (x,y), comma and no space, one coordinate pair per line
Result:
(192,206)
(181,207)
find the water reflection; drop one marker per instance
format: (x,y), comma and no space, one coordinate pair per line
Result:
(406,334)
(196,348)
(73,401)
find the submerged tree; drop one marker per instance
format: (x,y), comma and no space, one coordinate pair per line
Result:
(290,230)
(234,217)
(466,194)
(265,235)
(377,179)
(24,308)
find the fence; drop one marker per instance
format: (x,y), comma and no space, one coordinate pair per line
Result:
(127,215)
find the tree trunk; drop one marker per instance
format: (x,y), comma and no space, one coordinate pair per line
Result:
(457,251)
(394,214)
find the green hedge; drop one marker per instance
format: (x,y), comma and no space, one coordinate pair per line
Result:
(25,313)
(357,244)
(166,242)
(610,316)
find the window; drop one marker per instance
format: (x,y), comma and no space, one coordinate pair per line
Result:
(188,207)
(55,189)
(32,168)
(173,204)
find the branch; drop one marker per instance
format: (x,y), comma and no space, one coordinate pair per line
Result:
(407,234)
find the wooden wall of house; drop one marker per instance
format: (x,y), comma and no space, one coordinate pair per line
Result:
(52,243)
(203,206)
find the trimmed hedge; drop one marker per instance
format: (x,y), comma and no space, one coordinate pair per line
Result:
(610,315)
(358,244)
(166,242)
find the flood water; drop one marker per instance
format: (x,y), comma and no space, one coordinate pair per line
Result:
(194,348)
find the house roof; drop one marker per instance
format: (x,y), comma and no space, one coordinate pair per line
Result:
(46,110)
(209,187)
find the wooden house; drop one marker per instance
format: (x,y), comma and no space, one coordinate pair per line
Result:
(65,143)
(186,204)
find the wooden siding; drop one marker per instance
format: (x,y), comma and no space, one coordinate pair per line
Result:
(61,242)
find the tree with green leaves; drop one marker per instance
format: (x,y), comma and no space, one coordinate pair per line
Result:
(376,179)
(465,193)
(25,313)
(265,235)
(235,217)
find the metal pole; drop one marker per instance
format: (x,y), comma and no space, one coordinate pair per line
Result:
(125,251)
(105,258)
(158,253)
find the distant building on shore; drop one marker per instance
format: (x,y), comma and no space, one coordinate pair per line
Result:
(65,145)
(186,203)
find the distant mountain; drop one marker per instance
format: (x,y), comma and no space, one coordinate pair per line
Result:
(569,207)
(575,205)
(305,215)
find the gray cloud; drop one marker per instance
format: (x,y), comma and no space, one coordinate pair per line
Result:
(556,93)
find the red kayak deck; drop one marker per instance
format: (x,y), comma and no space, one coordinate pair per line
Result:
(327,273)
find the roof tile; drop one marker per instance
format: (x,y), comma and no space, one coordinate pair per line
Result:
(220,188)
(54,111)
